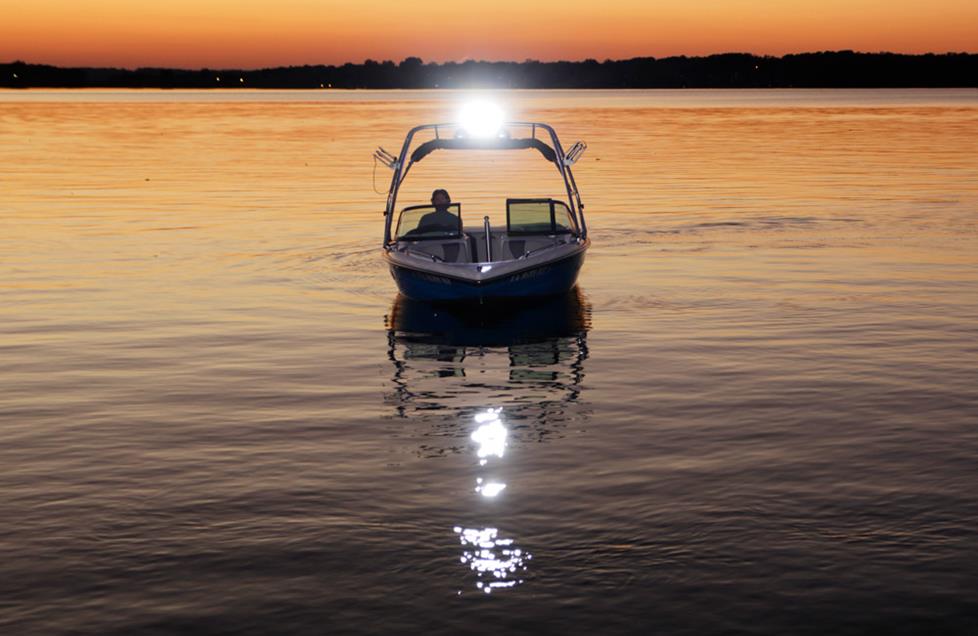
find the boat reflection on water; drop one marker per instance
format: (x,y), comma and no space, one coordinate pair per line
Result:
(545,344)
(480,380)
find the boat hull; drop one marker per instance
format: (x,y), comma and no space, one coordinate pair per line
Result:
(546,279)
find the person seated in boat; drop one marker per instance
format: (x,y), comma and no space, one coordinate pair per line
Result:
(441,220)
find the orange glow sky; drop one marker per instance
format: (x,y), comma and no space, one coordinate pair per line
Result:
(255,33)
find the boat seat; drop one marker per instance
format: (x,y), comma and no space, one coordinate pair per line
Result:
(452,250)
(515,247)
(518,246)
(447,251)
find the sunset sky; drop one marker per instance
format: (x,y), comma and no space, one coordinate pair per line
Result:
(257,33)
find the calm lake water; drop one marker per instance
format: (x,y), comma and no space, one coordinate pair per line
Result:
(758,413)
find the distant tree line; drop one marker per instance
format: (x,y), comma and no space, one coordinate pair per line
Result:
(838,69)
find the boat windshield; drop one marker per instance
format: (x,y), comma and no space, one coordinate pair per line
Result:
(538,216)
(419,222)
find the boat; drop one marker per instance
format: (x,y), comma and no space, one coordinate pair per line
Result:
(538,253)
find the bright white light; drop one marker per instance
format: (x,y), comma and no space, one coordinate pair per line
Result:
(490,436)
(488,415)
(481,118)
(490,488)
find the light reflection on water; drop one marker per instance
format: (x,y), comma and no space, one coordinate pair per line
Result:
(484,552)
(544,345)
(490,435)
(488,488)
(493,559)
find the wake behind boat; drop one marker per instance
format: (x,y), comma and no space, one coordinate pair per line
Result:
(434,255)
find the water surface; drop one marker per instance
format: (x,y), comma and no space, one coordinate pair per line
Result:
(757,413)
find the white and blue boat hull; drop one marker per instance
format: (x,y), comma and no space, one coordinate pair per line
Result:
(544,279)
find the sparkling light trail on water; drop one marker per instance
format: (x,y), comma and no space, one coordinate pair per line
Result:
(492,558)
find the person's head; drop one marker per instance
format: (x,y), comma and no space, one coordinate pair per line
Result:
(440,198)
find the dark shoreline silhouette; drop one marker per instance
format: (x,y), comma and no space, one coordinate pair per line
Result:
(829,69)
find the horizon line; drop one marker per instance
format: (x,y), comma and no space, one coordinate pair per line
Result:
(485,61)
